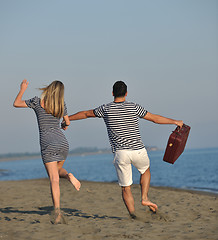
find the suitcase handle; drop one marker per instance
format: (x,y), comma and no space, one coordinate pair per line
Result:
(178,129)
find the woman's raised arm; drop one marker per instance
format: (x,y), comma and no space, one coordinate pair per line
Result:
(18,102)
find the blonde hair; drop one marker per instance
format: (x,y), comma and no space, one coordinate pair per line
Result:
(53,97)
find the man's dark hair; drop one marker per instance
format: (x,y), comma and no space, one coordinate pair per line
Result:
(119,89)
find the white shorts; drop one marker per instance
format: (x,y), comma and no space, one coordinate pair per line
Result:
(123,160)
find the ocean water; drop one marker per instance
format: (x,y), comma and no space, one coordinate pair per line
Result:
(195,169)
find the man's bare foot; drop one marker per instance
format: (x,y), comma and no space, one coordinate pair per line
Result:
(132,215)
(74,181)
(153,207)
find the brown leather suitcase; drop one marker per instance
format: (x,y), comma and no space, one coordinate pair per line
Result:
(176,144)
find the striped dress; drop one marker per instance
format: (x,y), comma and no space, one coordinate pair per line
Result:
(53,143)
(122,122)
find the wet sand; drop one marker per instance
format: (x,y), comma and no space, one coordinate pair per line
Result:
(97,212)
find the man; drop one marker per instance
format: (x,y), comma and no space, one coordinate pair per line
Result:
(122,121)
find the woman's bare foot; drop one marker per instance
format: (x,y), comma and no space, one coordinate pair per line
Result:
(74,181)
(57,217)
(153,207)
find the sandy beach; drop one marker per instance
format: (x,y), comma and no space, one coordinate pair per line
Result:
(97,212)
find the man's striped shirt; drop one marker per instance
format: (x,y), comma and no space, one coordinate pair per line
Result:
(122,122)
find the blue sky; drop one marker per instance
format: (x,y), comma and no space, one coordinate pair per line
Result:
(166,52)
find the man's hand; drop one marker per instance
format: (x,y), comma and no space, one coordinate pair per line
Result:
(179,123)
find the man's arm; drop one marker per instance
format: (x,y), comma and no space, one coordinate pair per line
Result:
(82,115)
(162,120)
(78,116)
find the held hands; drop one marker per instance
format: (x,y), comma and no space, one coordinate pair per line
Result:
(63,125)
(24,85)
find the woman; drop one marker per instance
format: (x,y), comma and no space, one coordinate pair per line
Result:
(53,143)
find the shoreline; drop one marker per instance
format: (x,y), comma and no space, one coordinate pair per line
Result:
(5,173)
(97,212)
(187,190)
(168,188)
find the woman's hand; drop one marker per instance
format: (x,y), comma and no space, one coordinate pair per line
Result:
(24,85)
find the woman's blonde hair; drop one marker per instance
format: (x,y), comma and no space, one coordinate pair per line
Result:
(53,97)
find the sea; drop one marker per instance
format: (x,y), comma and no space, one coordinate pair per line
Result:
(195,169)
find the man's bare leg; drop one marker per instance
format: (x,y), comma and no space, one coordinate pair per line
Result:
(145,184)
(128,200)
(69,176)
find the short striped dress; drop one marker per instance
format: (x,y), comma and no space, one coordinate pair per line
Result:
(53,143)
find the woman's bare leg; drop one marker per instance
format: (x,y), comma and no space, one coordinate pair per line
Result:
(52,171)
(69,176)
(53,174)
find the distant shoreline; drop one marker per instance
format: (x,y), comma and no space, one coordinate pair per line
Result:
(7,159)
(75,152)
